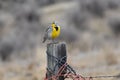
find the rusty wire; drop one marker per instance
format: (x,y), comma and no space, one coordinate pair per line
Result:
(71,72)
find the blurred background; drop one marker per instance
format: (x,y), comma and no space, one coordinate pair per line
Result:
(90,28)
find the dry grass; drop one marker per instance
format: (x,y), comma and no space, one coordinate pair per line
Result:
(110,58)
(33,69)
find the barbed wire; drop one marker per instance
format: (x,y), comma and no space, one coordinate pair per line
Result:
(115,76)
(70,71)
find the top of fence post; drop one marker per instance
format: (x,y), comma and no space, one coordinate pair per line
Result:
(56,58)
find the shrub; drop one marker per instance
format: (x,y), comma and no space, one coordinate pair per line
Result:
(114,24)
(93,6)
(113,4)
(77,19)
(23,32)
(5,51)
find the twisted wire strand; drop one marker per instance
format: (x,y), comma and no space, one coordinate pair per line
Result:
(71,73)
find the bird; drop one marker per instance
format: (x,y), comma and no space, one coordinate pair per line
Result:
(52,32)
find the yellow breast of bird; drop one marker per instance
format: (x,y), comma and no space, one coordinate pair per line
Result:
(55,32)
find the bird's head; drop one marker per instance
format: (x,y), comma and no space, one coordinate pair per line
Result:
(53,24)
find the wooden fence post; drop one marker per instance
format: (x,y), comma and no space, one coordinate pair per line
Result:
(56,52)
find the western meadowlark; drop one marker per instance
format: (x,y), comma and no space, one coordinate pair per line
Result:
(52,32)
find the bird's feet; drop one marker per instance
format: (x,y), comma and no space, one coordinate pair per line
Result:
(54,42)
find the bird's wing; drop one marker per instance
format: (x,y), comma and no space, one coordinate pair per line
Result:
(48,29)
(47,33)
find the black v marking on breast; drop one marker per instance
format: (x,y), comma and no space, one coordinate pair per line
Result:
(56,28)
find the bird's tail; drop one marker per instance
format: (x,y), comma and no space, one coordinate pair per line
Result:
(44,39)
